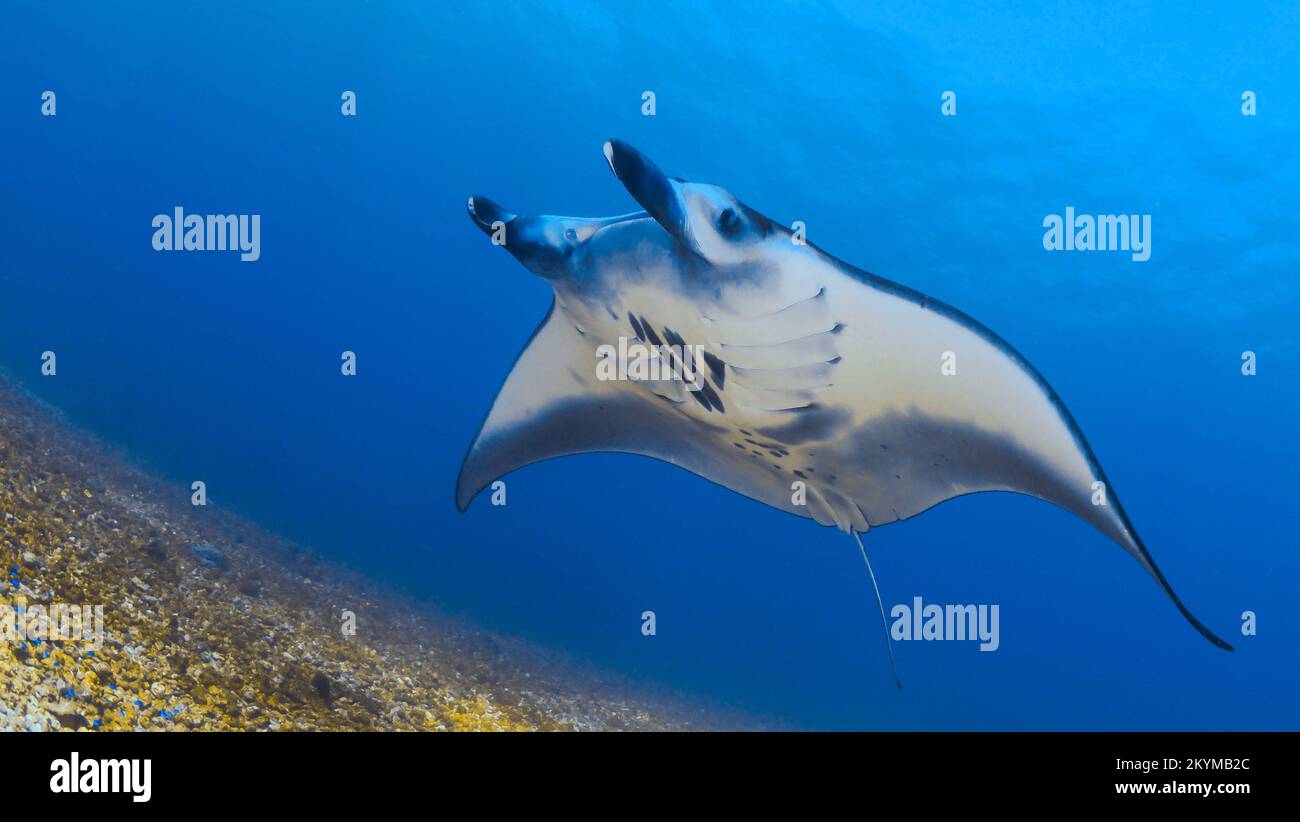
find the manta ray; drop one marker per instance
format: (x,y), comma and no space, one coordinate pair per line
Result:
(806,384)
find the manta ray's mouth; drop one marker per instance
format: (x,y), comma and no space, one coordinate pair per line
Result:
(487,215)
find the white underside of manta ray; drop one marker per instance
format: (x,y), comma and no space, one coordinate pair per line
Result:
(814,371)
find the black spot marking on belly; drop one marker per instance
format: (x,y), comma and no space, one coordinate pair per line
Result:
(777,448)
(718,369)
(699,397)
(650,337)
(714,400)
(800,474)
(691,364)
(706,395)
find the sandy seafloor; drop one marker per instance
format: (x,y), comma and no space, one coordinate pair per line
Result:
(248,636)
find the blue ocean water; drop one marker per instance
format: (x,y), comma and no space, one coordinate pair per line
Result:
(206,367)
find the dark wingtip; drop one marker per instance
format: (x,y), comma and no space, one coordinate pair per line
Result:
(464,494)
(1196,623)
(1169,589)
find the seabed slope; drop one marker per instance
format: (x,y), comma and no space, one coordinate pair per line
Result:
(246,633)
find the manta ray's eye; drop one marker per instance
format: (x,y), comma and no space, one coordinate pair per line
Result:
(570,235)
(729,222)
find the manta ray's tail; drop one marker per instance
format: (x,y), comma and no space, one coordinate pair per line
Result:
(883,622)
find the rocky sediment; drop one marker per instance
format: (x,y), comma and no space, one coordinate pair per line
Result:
(210,623)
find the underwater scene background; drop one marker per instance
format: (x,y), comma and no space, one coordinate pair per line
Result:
(203,367)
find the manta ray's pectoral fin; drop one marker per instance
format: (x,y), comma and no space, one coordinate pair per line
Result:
(550,405)
(556,403)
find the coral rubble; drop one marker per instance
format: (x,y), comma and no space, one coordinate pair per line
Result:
(210,623)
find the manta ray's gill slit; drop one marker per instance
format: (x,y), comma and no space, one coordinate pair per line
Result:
(806,306)
(811,341)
